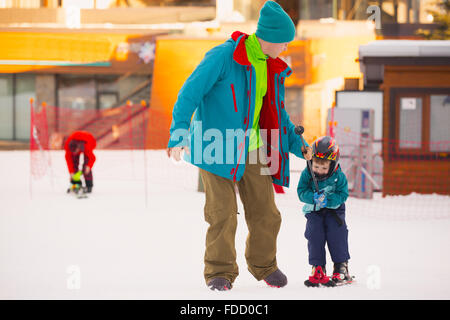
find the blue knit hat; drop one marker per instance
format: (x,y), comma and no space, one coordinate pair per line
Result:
(274,24)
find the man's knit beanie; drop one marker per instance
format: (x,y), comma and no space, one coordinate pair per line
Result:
(274,24)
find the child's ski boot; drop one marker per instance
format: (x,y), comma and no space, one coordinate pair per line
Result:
(74,188)
(319,278)
(341,275)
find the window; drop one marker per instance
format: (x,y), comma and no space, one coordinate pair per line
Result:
(76,92)
(77,101)
(317,9)
(422,121)
(25,89)
(15,93)
(410,123)
(80,97)
(115,90)
(81,92)
(107,100)
(6,107)
(439,123)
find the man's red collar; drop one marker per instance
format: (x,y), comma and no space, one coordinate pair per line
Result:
(240,54)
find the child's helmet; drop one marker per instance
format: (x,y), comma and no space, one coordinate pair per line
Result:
(326,148)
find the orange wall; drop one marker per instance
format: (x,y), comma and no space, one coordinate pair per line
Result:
(175,60)
(336,57)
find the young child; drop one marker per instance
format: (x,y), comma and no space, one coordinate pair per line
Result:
(80,142)
(325,214)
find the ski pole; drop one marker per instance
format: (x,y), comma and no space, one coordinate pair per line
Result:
(299,130)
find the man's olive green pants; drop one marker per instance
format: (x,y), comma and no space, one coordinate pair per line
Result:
(262,217)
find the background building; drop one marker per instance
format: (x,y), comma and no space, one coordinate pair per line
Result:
(80,55)
(95,55)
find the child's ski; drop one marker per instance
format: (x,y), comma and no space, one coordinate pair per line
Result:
(79,192)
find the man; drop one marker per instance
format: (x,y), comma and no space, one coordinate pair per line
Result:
(238,88)
(80,142)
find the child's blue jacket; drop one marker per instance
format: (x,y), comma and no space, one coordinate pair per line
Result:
(335,188)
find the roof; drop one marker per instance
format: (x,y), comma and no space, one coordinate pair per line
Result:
(405,48)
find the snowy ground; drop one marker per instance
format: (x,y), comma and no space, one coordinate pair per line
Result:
(141,236)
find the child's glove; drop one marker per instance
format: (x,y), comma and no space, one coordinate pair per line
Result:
(320,199)
(77,176)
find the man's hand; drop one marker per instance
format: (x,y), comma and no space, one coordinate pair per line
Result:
(175,152)
(307,153)
(87,170)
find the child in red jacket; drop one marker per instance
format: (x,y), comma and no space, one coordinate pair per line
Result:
(77,143)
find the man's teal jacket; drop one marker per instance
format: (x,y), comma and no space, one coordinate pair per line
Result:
(221,95)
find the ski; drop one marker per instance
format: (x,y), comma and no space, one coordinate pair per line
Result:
(82,195)
(329,284)
(346,282)
(78,192)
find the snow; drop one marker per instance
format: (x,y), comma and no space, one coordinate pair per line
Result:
(141,235)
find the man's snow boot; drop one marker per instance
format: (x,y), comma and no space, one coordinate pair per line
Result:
(276,279)
(220,284)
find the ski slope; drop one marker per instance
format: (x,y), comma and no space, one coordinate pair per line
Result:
(141,235)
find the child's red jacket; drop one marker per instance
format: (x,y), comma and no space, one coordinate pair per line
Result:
(89,146)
